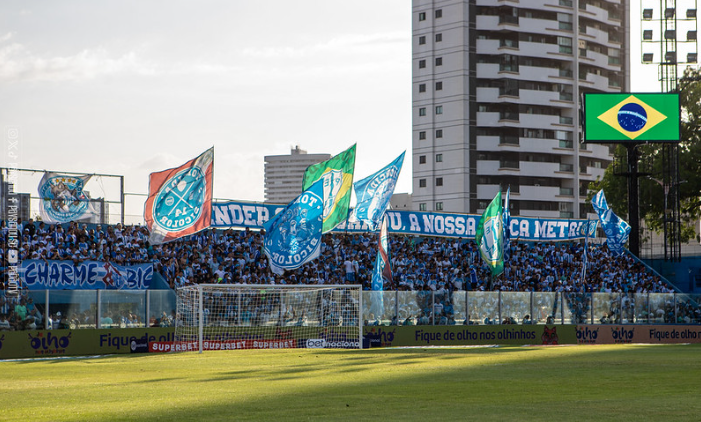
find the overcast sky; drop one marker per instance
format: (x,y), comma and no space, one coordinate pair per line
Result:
(133,87)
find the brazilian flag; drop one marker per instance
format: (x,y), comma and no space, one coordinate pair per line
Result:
(337,173)
(652,117)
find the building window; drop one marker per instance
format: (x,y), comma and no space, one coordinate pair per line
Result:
(422,206)
(422,87)
(422,111)
(422,16)
(439,133)
(439,109)
(422,40)
(439,61)
(439,206)
(422,183)
(422,159)
(439,37)
(439,181)
(439,86)
(422,135)
(439,13)
(439,158)
(422,64)
(565,44)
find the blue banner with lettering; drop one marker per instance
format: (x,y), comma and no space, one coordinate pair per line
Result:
(253,214)
(38,274)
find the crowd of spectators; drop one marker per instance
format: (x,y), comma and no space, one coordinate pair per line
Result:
(428,264)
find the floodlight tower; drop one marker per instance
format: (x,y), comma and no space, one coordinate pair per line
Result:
(669,40)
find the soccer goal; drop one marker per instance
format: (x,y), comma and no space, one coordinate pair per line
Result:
(231,316)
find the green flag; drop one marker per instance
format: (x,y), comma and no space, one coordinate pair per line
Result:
(338,180)
(489,236)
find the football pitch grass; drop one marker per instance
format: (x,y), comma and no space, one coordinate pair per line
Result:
(574,383)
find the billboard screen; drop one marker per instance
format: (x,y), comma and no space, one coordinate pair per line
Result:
(630,117)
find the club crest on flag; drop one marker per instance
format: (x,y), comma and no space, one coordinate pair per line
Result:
(293,236)
(492,233)
(333,181)
(337,176)
(179,202)
(490,236)
(616,229)
(180,199)
(374,193)
(62,198)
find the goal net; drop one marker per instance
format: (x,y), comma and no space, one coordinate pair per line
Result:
(228,316)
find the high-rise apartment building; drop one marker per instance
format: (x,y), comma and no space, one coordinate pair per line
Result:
(283,174)
(496,88)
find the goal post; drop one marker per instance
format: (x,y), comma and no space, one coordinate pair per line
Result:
(247,316)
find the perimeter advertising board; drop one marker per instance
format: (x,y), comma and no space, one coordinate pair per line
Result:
(468,335)
(631,117)
(56,343)
(53,343)
(645,334)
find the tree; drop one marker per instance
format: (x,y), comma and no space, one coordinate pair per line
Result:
(651,193)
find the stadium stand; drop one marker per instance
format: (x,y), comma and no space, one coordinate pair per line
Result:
(440,266)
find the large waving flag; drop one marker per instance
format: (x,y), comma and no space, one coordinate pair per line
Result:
(62,199)
(293,236)
(374,192)
(490,236)
(617,230)
(180,199)
(337,174)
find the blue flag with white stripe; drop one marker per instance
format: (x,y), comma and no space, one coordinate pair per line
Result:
(507,221)
(383,268)
(293,236)
(617,230)
(374,192)
(382,271)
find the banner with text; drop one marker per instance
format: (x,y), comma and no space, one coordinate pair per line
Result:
(253,214)
(59,275)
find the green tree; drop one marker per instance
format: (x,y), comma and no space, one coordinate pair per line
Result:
(651,193)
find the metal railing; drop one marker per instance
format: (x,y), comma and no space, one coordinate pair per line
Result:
(77,309)
(94,309)
(486,308)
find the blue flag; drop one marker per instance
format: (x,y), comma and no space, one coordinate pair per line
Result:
(617,230)
(374,192)
(507,220)
(381,273)
(383,269)
(293,236)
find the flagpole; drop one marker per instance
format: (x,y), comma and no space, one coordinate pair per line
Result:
(586,249)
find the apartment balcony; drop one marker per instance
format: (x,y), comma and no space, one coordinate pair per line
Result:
(537,49)
(535,169)
(538,193)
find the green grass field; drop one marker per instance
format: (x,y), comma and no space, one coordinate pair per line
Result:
(582,383)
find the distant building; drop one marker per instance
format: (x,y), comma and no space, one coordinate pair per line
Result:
(283,174)
(400,202)
(496,88)
(23,202)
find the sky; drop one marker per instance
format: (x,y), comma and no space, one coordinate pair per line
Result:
(132,87)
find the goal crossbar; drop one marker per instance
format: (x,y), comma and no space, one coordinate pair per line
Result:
(248,316)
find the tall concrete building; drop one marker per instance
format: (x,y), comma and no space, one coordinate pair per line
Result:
(495,100)
(283,174)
